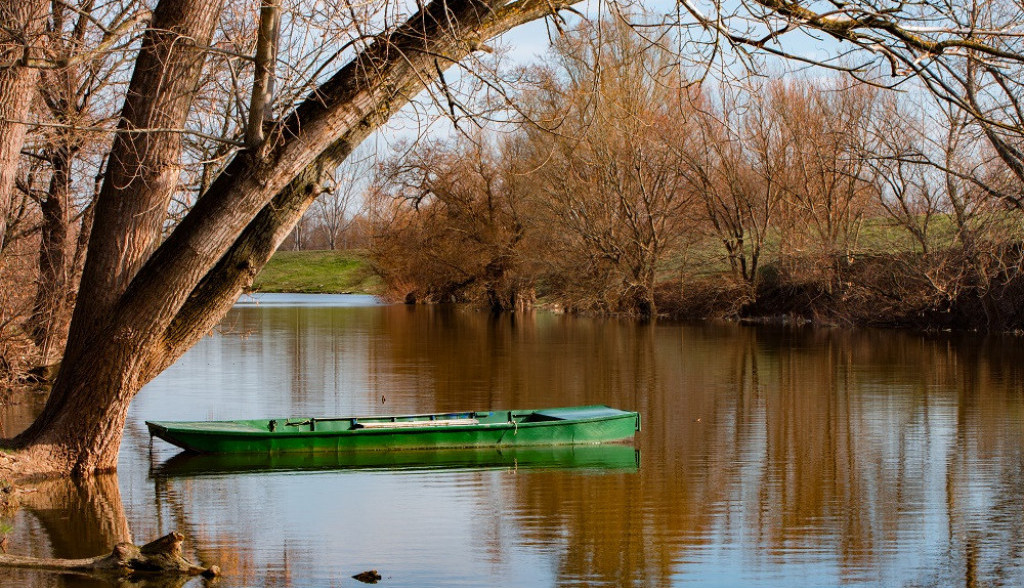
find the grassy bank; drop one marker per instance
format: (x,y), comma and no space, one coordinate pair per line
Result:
(319,272)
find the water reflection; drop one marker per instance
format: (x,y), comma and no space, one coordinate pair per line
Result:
(770,456)
(582,457)
(79,518)
(73,519)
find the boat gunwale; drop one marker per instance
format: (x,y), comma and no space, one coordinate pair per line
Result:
(284,434)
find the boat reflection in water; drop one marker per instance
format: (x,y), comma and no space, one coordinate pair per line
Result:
(598,458)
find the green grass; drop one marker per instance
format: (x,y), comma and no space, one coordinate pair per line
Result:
(707,258)
(319,272)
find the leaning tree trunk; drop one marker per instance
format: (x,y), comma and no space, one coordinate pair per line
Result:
(21,27)
(150,308)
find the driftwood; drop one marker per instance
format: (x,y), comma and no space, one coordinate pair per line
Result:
(368,577)
(159,557)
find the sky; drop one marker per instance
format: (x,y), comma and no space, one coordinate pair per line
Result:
(530,43)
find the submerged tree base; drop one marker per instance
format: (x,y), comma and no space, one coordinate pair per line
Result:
(28,465)
(159,557)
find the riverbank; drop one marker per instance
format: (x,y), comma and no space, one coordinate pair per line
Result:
(877,290)
(894,290)
(319,272)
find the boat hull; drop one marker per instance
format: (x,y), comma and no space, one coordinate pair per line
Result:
(561,426)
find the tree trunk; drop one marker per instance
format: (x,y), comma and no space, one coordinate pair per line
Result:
(101,360)
(79,430)
(143,166)
(50,308)
(21,26)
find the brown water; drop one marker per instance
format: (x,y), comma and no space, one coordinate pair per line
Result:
(768,457)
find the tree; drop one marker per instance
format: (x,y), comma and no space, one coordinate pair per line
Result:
(450,228)
(335,207)
(606,174)
(736,166)
(81,76)
(22,24)
(142,301)
(828,189)
(910,191)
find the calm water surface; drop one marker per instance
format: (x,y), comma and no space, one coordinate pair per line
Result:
(769,457)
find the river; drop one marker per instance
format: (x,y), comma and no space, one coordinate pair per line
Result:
(768,456)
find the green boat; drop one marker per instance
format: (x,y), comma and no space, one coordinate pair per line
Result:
(551,426)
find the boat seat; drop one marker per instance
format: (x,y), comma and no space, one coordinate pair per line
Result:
(414,424)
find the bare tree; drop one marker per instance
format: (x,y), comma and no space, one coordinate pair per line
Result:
(828,190)
(335,208)
(605,172)
(450,226)
(736,164)
(911,191)
(80,77)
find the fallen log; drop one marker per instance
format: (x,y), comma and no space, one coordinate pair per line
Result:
(159,557)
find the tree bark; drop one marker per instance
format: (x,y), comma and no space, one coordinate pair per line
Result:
(21,34)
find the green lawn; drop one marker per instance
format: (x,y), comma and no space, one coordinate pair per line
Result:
(707,257)
(319,272)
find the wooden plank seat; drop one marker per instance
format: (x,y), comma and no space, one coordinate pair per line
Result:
(413,424)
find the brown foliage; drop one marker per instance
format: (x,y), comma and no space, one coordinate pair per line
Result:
(620,172)
(447,228)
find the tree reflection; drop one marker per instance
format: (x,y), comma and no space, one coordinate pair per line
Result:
(79,518)
(73,519)
(810,441)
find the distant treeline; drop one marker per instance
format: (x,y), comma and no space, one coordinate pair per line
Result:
(630,190)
